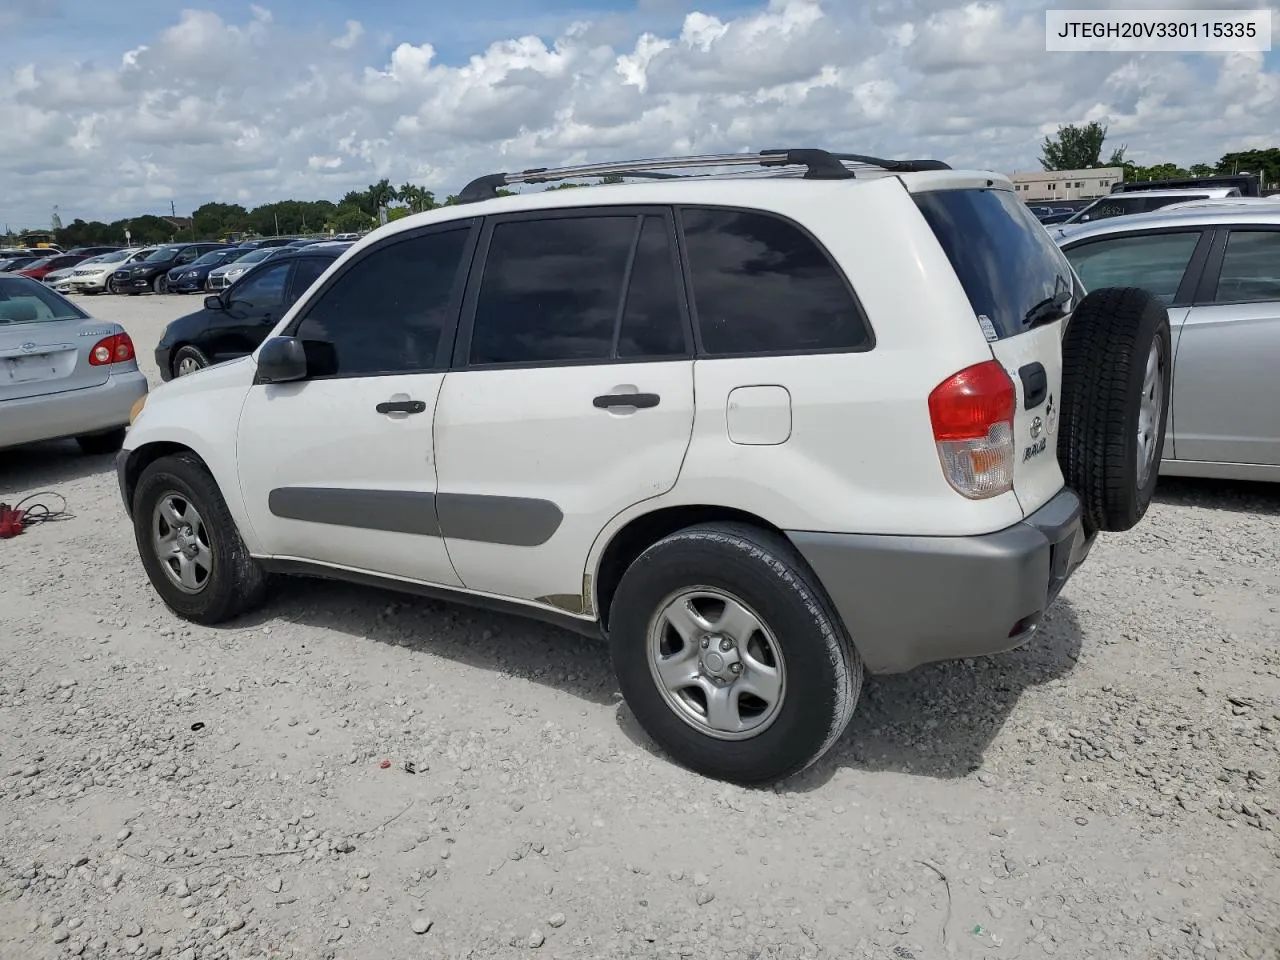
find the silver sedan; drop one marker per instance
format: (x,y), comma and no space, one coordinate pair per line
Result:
(1217,270)
(62,373)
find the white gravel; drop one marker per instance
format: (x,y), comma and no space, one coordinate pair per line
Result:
(1113,790)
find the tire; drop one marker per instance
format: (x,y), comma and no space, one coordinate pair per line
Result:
(96,444)
(819,669)
(224,581)
(1116,378)
(160,284)
(110,286)
(191,358)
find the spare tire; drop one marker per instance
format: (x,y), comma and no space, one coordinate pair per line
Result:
(1116,376)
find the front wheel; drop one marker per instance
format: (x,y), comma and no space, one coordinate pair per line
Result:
(729,654)
(110,286)
(160,284)
(189,360)
(189,544)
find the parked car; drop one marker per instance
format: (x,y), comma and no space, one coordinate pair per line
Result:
(220,278)
(62,373)
(1142,201)
(97,275)
(1217,270)
(93,251)
(152,273)
(232,323)
(38,269)
(58,279)
(191,277)
(763,436)
(14,263)
(267,242)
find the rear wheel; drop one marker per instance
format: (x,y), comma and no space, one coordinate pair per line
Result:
(1116,375)
(729,655)
(99,443)
(188,360)
(189,544)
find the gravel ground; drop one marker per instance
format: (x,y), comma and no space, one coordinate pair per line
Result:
(354,774)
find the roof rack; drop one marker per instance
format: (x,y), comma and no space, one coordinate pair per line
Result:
(819,164)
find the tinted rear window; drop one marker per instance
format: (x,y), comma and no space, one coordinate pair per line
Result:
(1006,261)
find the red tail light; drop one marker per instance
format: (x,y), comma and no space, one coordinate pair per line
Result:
(972,413)
(117,348)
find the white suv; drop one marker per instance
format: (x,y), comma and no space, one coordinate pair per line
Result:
(761,432)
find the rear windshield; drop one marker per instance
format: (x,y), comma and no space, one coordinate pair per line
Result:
(1006,261)
(26,301)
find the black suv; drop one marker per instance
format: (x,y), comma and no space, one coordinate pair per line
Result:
(152,273)
(233,323)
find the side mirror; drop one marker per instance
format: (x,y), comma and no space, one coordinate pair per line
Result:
(281,360)
(214,303)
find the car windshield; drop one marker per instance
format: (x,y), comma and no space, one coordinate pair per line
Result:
(213,256)
(253,256)
(115,256)
(1123,204)
(26,301)
(163,253)
(43,262)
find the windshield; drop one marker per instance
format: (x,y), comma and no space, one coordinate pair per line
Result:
(253,256)
(163,253)
(213,256)
(115,256)
(26,301)
(43,262)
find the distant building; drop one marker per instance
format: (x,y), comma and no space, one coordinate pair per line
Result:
(1066,184)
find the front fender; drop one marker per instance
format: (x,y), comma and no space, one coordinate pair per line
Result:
(200,412)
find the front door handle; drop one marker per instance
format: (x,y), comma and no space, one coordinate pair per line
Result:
(401,406)
(641,400)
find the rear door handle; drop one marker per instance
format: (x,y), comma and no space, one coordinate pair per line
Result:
(401,406)
(641,400)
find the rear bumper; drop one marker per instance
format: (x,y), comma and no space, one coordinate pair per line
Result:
(908,601)
(73,413)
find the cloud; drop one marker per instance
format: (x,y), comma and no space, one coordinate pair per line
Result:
(355,30)
(259,107)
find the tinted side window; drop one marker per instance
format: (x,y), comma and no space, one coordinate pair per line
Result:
(1250,267)
(386,313)
(262,291)
(652,322)
(552,289)
(1155,263)
(761,286)
(306,272)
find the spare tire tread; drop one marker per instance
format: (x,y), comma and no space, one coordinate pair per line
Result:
(1106,339)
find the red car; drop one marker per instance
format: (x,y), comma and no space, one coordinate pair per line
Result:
(37,270)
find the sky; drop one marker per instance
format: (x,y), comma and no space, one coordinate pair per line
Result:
(118,109)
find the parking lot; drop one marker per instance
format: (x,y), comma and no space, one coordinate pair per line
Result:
(355,774)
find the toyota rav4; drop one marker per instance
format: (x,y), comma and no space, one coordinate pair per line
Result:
(761,429)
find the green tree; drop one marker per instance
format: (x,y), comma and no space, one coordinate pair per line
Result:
(1201,170)
(349,218)
(1265,163)
(1078,148)
(416,198)
(214,220)
(381,194)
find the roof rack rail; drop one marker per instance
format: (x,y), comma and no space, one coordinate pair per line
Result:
(819,164)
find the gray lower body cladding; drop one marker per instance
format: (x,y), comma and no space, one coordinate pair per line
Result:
(908,601)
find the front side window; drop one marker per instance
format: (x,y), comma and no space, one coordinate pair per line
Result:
(1250,267)
(760,285)
(386,313)
(1156,262)
(261,292)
